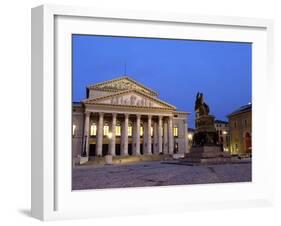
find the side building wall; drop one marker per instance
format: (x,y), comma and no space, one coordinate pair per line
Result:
(181,141)
(239,126)
(77,130)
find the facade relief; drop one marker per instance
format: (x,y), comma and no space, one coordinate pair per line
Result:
(123,85)
(133,100)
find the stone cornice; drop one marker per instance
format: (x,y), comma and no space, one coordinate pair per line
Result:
(127,108)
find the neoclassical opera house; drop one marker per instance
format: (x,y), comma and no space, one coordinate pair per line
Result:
(122,117)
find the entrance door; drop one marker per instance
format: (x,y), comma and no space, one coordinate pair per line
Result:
(141,149)
(118,149)
(92,151)
(105,150)
(248,143)
(130,149)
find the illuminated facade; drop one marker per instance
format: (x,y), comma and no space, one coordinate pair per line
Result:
(122,117)
(240,130)
(222,129)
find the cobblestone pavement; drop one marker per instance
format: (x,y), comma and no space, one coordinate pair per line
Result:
(156,174)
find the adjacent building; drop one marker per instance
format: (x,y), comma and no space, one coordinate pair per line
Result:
(240,130)
(222,129)
(122,117)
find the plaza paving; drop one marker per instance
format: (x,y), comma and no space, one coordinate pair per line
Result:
(156,174)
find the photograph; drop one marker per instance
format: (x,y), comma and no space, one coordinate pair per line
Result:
(160,112)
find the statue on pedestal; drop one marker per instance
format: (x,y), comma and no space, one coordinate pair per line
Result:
(201,108)
(205,148)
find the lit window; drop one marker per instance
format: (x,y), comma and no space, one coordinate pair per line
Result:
(151,131)
(93,129)
(105,130)
(176,131)
(118,130)
(141,131)
(130,130)
(73,129)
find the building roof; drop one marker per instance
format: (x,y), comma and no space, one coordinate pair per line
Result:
(244,108)
(221,121)
(128,83)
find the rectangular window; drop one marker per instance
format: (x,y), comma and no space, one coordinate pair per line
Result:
(73,129)
(176,131)
(130,131)
(118,130)
(93,130)
(151,131)
(245,122)
(105,130)
(141,131)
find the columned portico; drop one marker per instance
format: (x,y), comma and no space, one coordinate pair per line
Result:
(121,118)
(100,134)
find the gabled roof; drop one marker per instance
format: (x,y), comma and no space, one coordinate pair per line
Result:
(98,100)
(127,82)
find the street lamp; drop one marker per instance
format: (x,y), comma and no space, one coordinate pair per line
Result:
(189,136)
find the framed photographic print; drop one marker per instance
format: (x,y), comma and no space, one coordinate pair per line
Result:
(137,112)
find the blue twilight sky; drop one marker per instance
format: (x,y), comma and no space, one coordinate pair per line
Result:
(176,69)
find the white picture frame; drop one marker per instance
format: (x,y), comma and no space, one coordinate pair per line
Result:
(52,197)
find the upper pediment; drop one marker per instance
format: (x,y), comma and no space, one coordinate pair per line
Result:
(122,84)
(130,98)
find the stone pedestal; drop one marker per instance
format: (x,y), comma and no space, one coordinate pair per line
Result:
(205,147)
(207,154)
(108,159)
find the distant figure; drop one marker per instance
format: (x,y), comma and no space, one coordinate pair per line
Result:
(201,108)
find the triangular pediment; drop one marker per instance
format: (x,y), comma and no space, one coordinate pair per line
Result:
(122,84)
(130,98)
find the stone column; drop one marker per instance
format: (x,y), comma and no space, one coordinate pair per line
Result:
(124,150)
(165,138)
(171,136)
(113,138)
(138,135)
(155,138)
(160,134)
(149,135)
(100,134)
(85,151)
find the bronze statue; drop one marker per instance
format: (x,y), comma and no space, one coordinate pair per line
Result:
(201,108)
